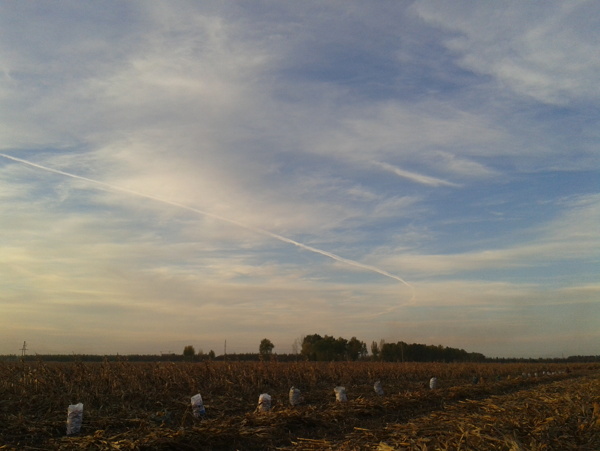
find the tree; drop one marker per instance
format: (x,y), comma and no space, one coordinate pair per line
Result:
(266,347)
(189,352)
(375,350)
(211,355)
(356,349)
(328,348)
(390,352)
(297,345)
(309,346)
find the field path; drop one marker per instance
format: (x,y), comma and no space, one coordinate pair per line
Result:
(547,416)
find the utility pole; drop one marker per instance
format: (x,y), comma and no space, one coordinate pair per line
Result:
(225,348)
(23,349)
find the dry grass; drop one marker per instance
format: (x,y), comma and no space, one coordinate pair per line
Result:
(147,406)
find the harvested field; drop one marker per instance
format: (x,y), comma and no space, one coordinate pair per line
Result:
(147,406)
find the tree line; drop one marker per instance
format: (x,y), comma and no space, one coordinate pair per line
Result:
(316,348)
(328,348)
(416,352)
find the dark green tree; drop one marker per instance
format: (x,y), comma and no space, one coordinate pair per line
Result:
(309,345)
(328,348)
(189,352)
(266,347)
(375,350)
(356,349)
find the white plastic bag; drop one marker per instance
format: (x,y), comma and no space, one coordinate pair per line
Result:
(433,383)
(378,388)
(198,406)
(340,394)
(74,418)
(295,396)
(264,403)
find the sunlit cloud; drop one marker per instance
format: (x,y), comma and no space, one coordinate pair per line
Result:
(223,219)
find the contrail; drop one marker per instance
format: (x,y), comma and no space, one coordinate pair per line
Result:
(220,218)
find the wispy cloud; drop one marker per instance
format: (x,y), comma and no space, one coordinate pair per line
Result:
(549,52)
(220,218)
(569,237)
(418,178)
(466,168)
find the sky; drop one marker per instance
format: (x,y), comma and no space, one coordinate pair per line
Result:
(194,173)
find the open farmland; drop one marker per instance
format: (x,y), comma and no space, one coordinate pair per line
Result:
(147,406)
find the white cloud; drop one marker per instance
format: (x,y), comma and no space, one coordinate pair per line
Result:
(401,131)
(462,167)
(571,236)
(548,51)
(418,178)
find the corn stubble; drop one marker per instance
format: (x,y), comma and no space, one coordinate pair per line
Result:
(146,406)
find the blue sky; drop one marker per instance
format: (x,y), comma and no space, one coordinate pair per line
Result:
(194,172)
